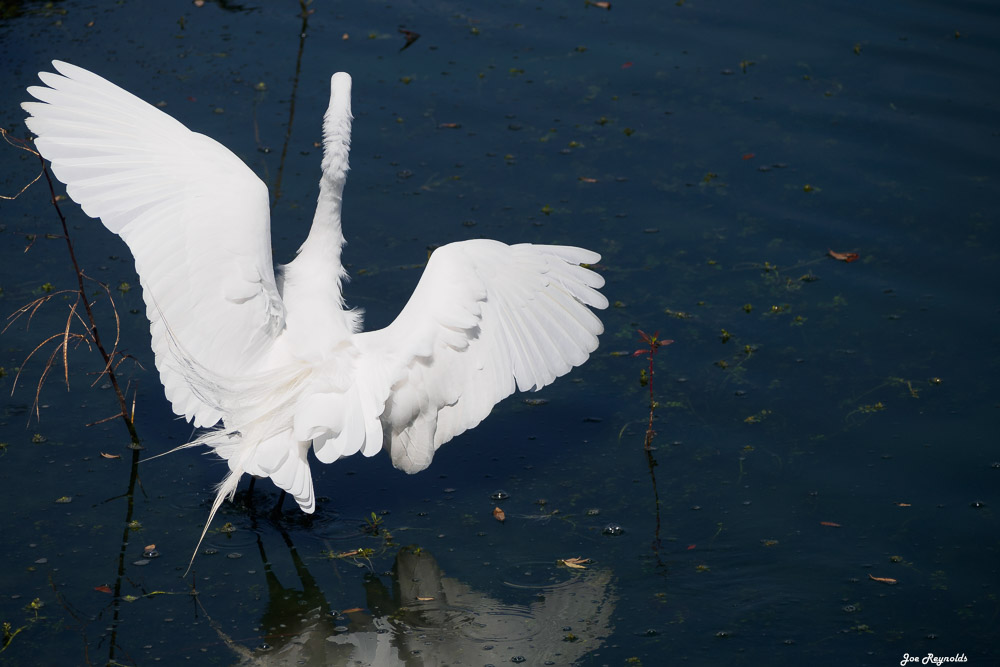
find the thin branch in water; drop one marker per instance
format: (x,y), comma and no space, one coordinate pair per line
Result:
(653,345)
(291,103)
(24,146)
(92,331)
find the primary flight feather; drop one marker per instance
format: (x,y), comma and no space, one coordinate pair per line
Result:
(275,362)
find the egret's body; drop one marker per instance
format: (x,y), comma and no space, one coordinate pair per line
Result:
(275,362)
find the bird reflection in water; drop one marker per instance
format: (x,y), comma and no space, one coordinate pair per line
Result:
(428,619)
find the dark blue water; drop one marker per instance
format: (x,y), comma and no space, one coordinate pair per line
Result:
(819,422)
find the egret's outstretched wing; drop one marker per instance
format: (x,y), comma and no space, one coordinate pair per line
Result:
(484,318)
(195,217)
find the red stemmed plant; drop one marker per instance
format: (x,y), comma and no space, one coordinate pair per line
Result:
(653,344)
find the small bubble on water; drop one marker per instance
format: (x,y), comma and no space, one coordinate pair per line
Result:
(518,659)
(152,553)
(499,494)
(263,646)
(613,529)
(209,551)
(977,504)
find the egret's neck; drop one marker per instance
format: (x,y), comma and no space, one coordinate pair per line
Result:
(311,290)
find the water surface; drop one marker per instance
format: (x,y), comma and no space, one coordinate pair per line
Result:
(819,422)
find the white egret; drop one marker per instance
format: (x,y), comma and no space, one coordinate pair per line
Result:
(272,362)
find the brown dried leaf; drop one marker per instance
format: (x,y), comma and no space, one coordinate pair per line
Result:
(586,179)
(149,547)
(499,515)
(111,456)
(425,599)
(829,523)
(410,37)
(843,256)
(883,580)
(351,610)
(576,563)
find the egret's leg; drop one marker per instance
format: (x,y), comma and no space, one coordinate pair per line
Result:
(248,499)
(276,512)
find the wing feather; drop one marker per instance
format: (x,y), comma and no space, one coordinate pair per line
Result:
(484,318)
(195,217)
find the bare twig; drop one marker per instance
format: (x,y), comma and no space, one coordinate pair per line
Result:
(24,146)
(92,330)
(304,6)
(653,344)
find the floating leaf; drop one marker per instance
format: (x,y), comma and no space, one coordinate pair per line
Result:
(149,547)
(829,523)
(883,580)
(352,610)
(585,179)
(425,599)
(576,563)
(748,156)
(843,256)
(410,38)
(103,589)
(111,456)
(449,126)
(600,5)
(499,515)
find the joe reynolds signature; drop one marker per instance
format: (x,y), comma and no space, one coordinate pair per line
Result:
(931,659)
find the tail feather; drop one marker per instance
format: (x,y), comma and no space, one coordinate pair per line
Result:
(225,489)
